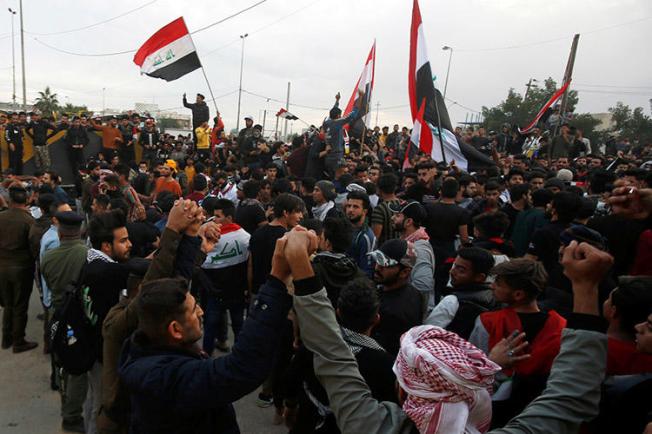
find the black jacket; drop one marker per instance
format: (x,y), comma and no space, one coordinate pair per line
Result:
(200,112)
(400,310)
(147,137)
(103,283)
(176,391)
(38,131)
(77,136)
(13,134)
(473,299)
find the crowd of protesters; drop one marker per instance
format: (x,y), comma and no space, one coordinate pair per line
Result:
(359,285)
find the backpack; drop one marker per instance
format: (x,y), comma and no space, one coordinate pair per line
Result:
(71,333)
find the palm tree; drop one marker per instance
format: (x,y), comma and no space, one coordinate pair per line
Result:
(47,102)
(72,109)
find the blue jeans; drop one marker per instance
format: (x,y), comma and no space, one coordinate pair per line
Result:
(214,312)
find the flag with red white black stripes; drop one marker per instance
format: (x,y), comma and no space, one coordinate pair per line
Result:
(433,131)
(365,84)
(540,115)
(169,53)
(282,113)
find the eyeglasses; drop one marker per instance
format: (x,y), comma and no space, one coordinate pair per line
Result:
(382,259)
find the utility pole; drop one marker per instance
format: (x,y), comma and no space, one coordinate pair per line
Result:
(450,57)
(528,86)
(568,74)
(13,58)
(240,86)
(377,106)
(287,107)
(22,51)
(264,119)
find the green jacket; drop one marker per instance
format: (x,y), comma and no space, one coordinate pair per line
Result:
(15,224)
(571,397)
(62,266)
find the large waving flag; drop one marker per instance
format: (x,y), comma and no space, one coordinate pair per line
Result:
(169,53)
(553,99)
(365,84)
(433,131)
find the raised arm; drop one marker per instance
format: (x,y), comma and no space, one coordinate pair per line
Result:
(356,411)
(186,103)
(572,395)
(227,379)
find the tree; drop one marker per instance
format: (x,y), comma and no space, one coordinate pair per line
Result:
(47,102)
(587,124)
(632,124)
(72,109)
(515,110)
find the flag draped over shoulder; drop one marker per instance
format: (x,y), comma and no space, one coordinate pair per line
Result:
(545,107)
(433,131)
(282,113)
(168,53)
(365,84)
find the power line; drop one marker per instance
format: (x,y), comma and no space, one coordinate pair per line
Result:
(614,86)
(463,106)
(7,35)
(394,107)
(615,92)
(117,53)
(133,51)
(269,98)
(208,100)
(215,50)
(400,106)
(228,18)
(547,41)
(93,25)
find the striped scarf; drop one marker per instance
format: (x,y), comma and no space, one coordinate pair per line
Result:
(447,381)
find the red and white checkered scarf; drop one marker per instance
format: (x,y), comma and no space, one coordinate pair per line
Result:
(447,381)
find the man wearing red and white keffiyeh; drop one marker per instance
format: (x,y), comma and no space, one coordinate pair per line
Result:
(447,381)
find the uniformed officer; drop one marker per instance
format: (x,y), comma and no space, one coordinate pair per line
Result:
(61,267)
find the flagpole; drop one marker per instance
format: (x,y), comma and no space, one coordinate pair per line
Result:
(210,90)
(564,99)
(441,140)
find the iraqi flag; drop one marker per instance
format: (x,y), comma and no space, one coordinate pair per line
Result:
(365,84)
(168,53)
(553,99)
(433,131)
(282,113)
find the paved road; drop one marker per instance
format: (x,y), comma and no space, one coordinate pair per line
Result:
(28,406)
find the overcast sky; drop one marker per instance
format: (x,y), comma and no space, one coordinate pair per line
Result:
(320,47)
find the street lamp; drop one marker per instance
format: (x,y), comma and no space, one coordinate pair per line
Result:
(13,57)
(22,55)
(450,56)
(240,86)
